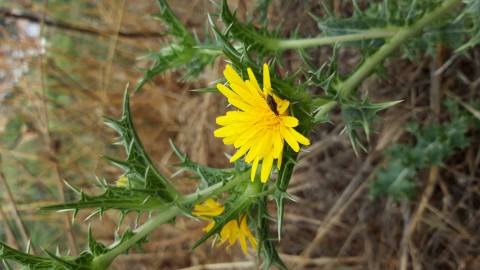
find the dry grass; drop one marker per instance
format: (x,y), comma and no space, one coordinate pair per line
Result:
(332,225)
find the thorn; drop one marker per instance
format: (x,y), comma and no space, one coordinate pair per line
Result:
(29,246)
(74,189)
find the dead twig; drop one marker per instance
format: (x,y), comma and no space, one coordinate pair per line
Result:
(417,215)
(353,190)
(331,261)
(6,13)
(223,266)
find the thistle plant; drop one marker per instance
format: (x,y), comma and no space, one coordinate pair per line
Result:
(269,125)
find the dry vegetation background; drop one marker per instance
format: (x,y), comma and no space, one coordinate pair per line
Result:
(64,64)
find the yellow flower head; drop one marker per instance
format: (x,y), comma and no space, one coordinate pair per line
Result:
(232,232)
(122,181)
(260,126)
(208,209)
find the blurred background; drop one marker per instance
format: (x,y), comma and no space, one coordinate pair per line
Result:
(64,64)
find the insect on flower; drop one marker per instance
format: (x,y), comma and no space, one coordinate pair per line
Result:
(272,104)
(260,126)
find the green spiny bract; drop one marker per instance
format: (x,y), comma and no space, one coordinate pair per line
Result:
(358,115)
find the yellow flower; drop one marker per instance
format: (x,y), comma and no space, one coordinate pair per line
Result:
(260,126)
(232,231)
(208,209)
(229,232)
(244,233)
(122,181)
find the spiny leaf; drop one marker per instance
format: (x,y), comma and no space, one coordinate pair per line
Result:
(262,9)
(248,34)
(138,164)
(175,26)
(387,16)
(51,262)
(95,248)
(185,52)
(114,198)
(208,175)
(358,114)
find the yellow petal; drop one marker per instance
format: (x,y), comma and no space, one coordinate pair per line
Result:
(253,241)
(289,138)
(266,168)
(246,231)
(277,144)
(245,94)
(210,225)
(267,87)
(248,136)
(279,161)
(256,97)
(233,232)
(209,208)
(212,203)
(242,233)
(282,105)
(289,121)
(225,131)
(230,139)
(252,79)
(243,244)
(259,147)
(242,105)
(233,117)
(267,145)
(240,152)
(224,120)
(229,232)
(254,169)
(233,98)
(299,137)
(232,76)
(227,92)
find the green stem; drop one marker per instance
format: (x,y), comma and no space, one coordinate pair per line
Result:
(213,190)
(324,110)
(103,261)
(275,44)
(346,87)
